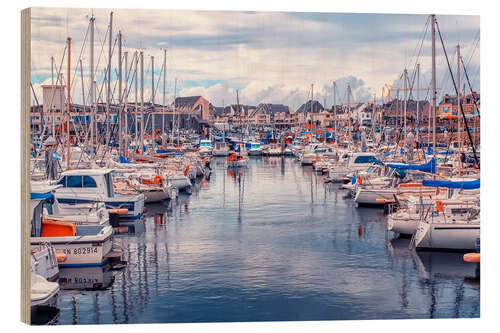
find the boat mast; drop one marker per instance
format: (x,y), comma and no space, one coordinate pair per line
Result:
(433,85)
(53,132)
(92,89)
(312,98)
(335,110)
(459,129)
(349,113)
(142,102)
(153,102)
(83,95)
(164,87)
(68,113)
(125,103)
(405,104)
(373,117)
(241,122)
(175,97)
(136,103)
(418,104)
(120,95)
(108,94)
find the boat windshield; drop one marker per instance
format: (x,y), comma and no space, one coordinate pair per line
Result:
(109,185)
(365,159)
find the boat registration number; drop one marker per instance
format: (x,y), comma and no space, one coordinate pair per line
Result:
(80,251)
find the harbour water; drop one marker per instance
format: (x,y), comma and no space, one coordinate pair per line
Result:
(269,242)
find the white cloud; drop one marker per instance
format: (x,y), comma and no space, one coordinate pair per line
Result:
(268,56)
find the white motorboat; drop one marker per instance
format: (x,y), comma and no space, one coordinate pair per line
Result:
(255,149)
(308,156)
(220,149)
(44,261)
(205,148)
(181,182)
(96,185)
(80,244)
(42,291)
(237,162)
(154,187)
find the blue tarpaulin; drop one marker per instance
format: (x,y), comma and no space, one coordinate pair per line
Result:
(170,151)
(466,185)
(427,167)
(124,160)
(35,196)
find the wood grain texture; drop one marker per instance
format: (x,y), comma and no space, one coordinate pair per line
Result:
(25,185)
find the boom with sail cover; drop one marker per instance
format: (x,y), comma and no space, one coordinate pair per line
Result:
(465,185)
(427,167)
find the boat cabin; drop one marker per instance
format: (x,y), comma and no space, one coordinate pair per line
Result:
(254,145)
(87,181)
(361,160)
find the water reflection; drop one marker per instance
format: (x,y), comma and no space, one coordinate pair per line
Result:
(44,315)
(86,278)
(444,276)
(269,242)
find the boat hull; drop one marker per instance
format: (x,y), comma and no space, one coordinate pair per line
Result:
(181,183)
(80,251)
(222,152)
(402,224)
(155,196)
(447,236)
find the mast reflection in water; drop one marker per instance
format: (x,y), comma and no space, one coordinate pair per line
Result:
(270,242)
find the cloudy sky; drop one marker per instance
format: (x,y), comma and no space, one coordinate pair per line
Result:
(268,56)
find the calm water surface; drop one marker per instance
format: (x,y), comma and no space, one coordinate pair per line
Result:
(271,242)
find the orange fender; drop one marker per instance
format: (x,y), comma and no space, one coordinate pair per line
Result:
(118,211)
(61,257)
(472,257)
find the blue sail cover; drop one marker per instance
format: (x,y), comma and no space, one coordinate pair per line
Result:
(124,160)
(466,185)
(169,151)
(36,196)
(427,167)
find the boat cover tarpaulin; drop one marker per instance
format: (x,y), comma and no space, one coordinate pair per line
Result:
(427,167)
(169,151)
(124,160)
(38,196)
(466,185)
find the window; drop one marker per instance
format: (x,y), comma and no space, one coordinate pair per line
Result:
(62,181)
(74,181)
(365,159)
(77,181)
(89,182)
(109,185)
